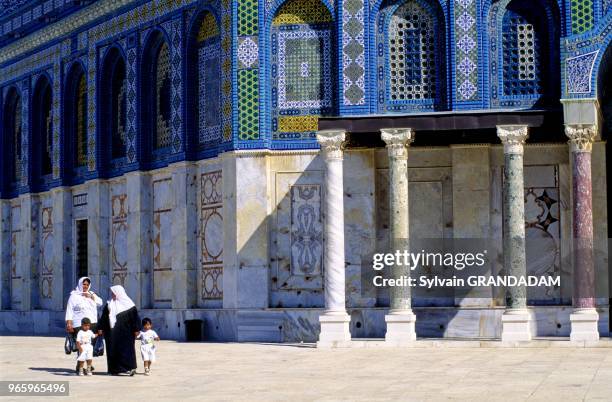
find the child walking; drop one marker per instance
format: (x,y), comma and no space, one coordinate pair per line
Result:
(147,347)
(84,343)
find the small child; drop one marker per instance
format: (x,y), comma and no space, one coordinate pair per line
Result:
(147,347)
(84,342)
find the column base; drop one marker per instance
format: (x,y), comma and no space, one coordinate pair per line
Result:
(516,325)
(400,328)
(584,325)
(334,330)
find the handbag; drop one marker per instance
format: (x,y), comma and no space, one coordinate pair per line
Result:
(69,344)
(98,349)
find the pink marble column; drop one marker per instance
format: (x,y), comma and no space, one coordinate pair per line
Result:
(585,317)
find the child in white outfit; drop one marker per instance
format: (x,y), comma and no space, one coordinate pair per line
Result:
(147,347)
(84,341)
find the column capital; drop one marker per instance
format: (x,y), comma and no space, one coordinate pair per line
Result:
(513,137)
(581,136)
(397,140)
(332,143)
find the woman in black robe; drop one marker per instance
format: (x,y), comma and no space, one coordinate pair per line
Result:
(120,324)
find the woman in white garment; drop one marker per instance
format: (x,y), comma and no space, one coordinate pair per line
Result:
(83,302)
(120,324)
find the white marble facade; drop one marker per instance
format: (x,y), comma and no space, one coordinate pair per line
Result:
(238,241)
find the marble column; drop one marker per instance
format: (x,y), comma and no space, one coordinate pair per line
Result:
(584,318)
(516,319)
(400,319)
(335,320)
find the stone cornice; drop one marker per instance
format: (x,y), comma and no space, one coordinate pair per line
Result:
(513,138)
(581,136)
(61,28)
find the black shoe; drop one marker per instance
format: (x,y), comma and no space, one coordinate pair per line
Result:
(132,372)
(91,368)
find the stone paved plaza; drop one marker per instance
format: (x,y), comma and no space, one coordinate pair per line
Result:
(228,371)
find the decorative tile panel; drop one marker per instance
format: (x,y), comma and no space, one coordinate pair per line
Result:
(582,15)
(353,52)
(578,72)
(466,50)
(47,254)
(119,231)
(176,73)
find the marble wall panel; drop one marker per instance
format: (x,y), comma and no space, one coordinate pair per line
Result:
(119,233)
(162,242)
(211,236)
(16,275)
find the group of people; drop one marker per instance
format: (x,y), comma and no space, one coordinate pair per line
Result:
(119,324)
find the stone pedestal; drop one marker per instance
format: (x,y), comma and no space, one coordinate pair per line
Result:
(516,325)
(400,320)
(334,321)
(516,319)
(584,320)
(584,325)
(400,327)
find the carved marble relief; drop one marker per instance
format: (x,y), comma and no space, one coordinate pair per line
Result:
(542,230)
(119,231)
(47,254)
(211,236)
(297,240)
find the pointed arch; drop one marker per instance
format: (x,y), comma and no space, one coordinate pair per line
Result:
(11,141)
(42,130)
(302,39)
(156,95)
(410,56)
(75,120)
(113,105)
(528,53)
(204,91)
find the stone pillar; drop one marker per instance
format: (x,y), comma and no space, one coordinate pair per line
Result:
(584,319)
(516,318)
(335,320)
(400,320)
(184,240)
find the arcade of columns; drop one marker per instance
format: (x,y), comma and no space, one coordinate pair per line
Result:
(516,321)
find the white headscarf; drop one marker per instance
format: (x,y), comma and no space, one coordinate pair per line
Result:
(121,303)
(79,289)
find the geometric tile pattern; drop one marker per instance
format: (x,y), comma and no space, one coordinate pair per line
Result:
(412,59)
(302,78)
(162,98)
(521,54)
(578,71)
(56,111)
(25,129)
(209,92)
(466,59)
(176,95)
(131,146)
(353,52)
(248,105)
(92,68)
(582,15)
(248,52)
